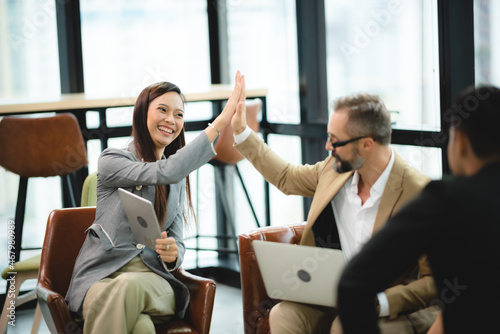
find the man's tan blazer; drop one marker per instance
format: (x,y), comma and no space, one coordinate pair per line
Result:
(413,291)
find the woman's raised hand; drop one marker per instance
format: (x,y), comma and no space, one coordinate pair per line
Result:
(239,119)
(225,116)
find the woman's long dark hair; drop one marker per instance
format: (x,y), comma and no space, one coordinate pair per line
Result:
(145,148)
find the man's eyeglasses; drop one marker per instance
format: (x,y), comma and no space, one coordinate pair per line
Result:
(345,142)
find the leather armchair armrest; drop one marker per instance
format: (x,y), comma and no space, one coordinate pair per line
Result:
(201,303)
(256,302)
(55,311)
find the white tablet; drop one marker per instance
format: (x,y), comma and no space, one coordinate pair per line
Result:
(142,218)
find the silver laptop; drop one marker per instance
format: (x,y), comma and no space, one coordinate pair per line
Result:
(142,218)
(301,274)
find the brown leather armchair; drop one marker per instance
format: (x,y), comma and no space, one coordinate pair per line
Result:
(63,239)
(256,302)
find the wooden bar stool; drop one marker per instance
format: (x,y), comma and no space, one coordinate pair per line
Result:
(35,147)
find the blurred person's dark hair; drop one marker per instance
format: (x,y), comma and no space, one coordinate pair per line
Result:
(476,113)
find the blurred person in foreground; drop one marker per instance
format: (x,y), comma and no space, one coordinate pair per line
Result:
(456,222)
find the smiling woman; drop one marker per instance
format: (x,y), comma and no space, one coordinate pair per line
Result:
(165,120)
(154,109)
(114,276)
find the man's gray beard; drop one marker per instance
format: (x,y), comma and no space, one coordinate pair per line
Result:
(347,166)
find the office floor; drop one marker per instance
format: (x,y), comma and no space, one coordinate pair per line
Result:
(227,317)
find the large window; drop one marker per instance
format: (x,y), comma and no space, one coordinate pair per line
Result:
(389,48)
(428,160)
(486,38)
(262,38)
(29,59)
(128,45)
(262,43)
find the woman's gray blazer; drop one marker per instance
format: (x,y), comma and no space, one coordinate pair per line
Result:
(109,243)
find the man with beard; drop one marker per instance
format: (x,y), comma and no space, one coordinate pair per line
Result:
(455,221)
(355,191)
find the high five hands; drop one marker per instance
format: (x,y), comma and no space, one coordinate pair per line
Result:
(234,112)
(239,119)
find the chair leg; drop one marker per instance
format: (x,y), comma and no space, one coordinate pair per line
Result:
(13,300)
(9,307)
(26,298)
(21,277)
(219,182)
(197,215)
(19,219)
(36,319)
(247,196)
(68,194)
